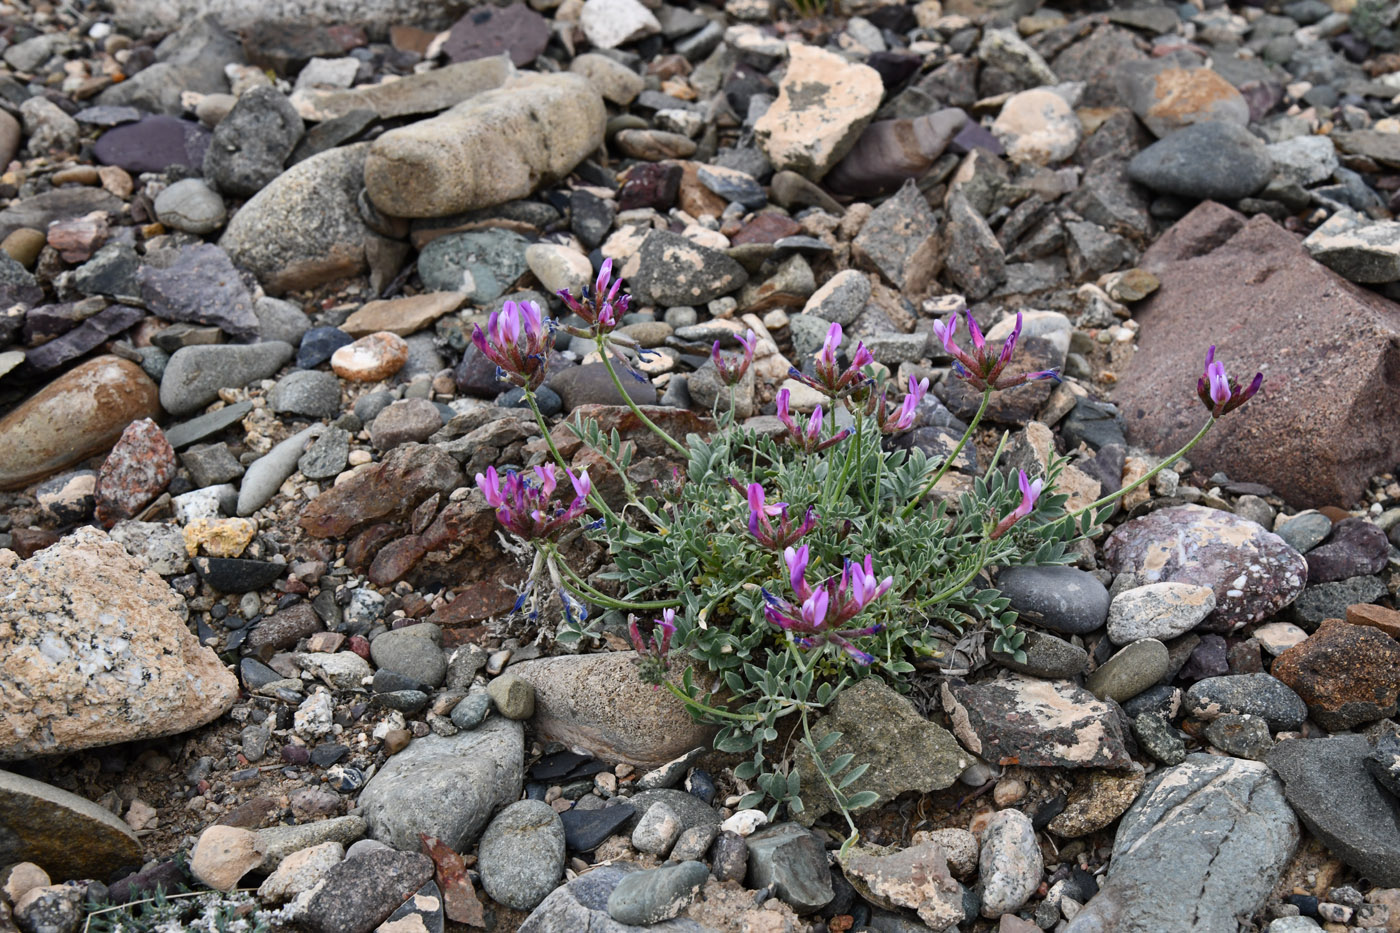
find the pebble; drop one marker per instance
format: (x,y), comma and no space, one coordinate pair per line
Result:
(1254,694)
(194,375)
(648,897)
(370,359)
(1132,670)
(1222,161)
(1064,600)
(1158,610)
(1010,863)
(522,854)
(266,474)
(192,206)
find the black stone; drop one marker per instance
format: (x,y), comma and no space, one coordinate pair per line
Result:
(328,753)
(234,575)
(1094,423)
(255,673)
(318,344)
(584,830)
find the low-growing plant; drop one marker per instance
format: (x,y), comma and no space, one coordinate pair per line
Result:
(788,564)
(181,912)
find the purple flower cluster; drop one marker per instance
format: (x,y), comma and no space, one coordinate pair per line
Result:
(652,654)
(823,610)
(806,439)
(602,307)
(830,380)
(732,373)
(762,529)
(1030,491)
(1218,392)
(527,507)
(980,368)
(903,419)
(517,341)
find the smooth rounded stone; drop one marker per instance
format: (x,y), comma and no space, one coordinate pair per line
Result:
(521,854)
(481,264)
(1129,672)
(370,359)
(1037,126)
(406,421)
(278,842)
(23,245)
(192,206)
(1347,674)
(1219,161)
(304,228)
(841,299)
(1305,531)
(280,320)
(487,150)
(318,345)
(1065,600)
(1047,656)
(471,710)
(1253,694)
(446,786)
(80,413)
(1240,736)
(809,133)
(656,831)
(1328,784)
(313,393)
(251,144)
(1355,548)
(327,456)
(1253,572)
(402,316)
(591,384)
(194,375)
(514,698)
(414,651)
(598,702)
(615,81)
(582,905)
(66,835)
(559,268)
(223,855)
(1158,610)
(1218,827)
(792,861)
(1010,863)
(658,894)
(267,474)
(1098,801)
(99,652)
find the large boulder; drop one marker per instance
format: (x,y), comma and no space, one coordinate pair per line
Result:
(492,148)
(96,647)
(1321,426)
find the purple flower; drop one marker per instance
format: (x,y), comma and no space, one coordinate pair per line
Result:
(1218,392)
(762,529)
(527,507)
(806,439)
(829,379)
(601,308)
(1029,493)
(732,373)
(903,419)
(980,368)
(824,610)
(517,341)
(652,654)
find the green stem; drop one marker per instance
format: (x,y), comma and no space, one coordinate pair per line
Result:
(956,588)
(948,463)
(676,445)
(594,498)
(830,786)
(1146,477)
(604,600)
(709,710)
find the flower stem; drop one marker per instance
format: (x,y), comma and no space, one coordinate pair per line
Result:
(831,787)
(1146,477)
(610,602)
(948,462)
(978,566)
(695,704)
(676,445)
(594,497)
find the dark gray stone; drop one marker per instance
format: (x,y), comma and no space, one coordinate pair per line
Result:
(314,393)
(482,264)
(364,890)
(1330,600)
(198,283)
(1327,782)
(521,854)
(793,861)
(648,897)
(1047,656)
(197,429)
(327,456)
(1355,548)
(251,144)
(1062,599)
(1253,694)
(1220,161)
(582,904)
(677,271)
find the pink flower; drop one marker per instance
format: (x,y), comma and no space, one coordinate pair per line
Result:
(1221,394)
(601,308)
(762,529)
(807,439)
(824,610)
(830,380)
(517,341)
(982,370)
(653,654)
(1030,491)
(732,373)
(528,508)
(903,419)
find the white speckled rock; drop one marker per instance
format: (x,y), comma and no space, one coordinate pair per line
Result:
(1010,863)
(1158,610)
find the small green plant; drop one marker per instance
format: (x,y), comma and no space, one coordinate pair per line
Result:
(787,566)
(809,9)
(191,911)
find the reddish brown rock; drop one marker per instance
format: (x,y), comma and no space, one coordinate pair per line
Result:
(371,358)
(389,490)
(476,603)
(137,470)
(77,415)
(1378,617)
(768,227)
(1320,427)
(1347,674)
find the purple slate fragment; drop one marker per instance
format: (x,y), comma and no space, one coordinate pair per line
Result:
(153,145)
(86,336)
(199,283)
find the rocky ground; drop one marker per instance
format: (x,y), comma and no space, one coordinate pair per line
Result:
(256,622)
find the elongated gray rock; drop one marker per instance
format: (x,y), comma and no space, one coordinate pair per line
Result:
(1202,846)
(499,145)
(194,375)
(446,786)
(270,470)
